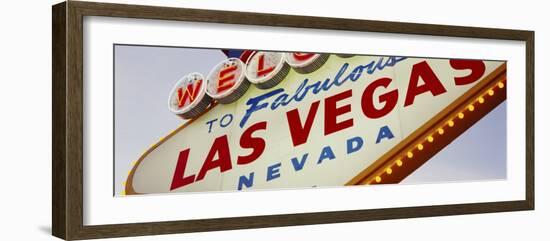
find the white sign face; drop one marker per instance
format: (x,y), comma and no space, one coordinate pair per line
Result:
(312,129)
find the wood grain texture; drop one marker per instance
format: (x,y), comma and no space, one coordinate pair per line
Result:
(74,153)
(67,119)
(59,182)
(530,119)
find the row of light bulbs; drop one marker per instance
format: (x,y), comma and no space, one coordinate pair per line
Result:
(440,131)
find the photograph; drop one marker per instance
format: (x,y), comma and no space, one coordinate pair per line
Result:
(209,120)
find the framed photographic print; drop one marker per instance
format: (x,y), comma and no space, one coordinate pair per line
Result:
(171,120)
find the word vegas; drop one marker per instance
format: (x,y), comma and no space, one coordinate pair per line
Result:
(190,97)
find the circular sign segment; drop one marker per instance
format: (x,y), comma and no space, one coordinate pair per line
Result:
(227,81)
(188,98)
(305,63)
(266,69)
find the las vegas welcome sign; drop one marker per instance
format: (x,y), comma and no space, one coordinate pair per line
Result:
(271,120)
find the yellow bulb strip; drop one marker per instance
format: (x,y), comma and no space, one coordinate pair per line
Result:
(449,123)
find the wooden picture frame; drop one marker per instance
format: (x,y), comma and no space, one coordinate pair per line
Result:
(67,119)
